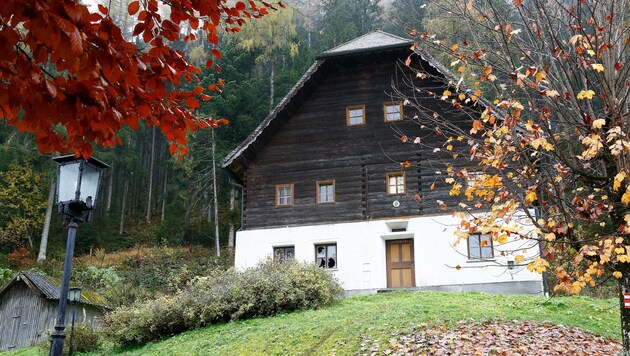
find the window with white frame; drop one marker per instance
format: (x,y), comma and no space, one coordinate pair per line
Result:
(326,255)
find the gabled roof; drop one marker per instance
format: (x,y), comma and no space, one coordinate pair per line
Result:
(375,40)
(44,287)
(368,46)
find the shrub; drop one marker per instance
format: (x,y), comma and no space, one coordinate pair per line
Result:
(86,339)
(264,290)
(20,258)
(5,275)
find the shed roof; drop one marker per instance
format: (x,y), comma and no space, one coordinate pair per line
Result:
(47,289)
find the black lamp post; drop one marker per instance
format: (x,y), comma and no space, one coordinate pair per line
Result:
(74,296)
(77,189)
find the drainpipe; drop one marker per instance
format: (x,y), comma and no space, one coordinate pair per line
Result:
(234,182)
(537,215)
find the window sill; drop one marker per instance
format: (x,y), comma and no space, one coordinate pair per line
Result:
(481,260)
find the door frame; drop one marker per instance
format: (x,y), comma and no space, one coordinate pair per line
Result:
(388,266)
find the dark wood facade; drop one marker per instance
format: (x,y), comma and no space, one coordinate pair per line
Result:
(308,140)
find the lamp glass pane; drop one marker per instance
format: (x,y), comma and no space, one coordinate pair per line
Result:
(68,177)
(89,183)
(74,294)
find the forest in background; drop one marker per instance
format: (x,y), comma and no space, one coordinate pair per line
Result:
(149,198)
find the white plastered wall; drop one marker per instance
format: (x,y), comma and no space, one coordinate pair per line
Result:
(361,263)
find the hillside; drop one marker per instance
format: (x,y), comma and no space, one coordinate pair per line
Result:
(359,324)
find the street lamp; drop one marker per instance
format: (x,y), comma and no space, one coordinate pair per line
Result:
(77,190)
(74,296)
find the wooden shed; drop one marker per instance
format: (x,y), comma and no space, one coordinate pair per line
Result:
(28,308)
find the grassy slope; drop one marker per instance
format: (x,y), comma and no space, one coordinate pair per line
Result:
(344,326)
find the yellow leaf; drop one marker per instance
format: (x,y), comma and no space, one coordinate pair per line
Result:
(598,67)
(597,124)
(585,94)
(574,39)
(618,179)
(625,198)
(617,274)
(550,236)
(541,75)
(446,93)
(519,259)
(551,93)
(530,197)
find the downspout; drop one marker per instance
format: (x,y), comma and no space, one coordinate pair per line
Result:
(537,215)
(234,182)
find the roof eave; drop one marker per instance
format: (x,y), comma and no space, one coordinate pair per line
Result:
(325,55)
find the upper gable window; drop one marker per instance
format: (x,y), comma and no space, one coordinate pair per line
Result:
(284,195)
(396,183)
(326,192)
(355,115)
(393,111)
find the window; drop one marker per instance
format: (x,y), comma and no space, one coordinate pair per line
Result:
(283,254)
(355,115)
(480,247)
(396,183)
(284,195)
(326,255)
(326,192)
(472,177)
(392,111)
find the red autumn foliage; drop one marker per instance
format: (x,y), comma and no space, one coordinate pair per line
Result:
(70,78)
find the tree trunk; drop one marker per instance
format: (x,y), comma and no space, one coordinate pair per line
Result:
(272,76)
(232,206)
(110,189)
(624,289)
(43,244)
(151,165)
(164,193)
(121,227)
(215,198)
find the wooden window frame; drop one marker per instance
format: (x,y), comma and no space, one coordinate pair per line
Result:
(355,107)
(318,185)
(396,174)
(277,201)
(284,248)
(393,103)
(481,257)
(326,245)
(474,173)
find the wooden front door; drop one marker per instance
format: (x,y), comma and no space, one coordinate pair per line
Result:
(400,263)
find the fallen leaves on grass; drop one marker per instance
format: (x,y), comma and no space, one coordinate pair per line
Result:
(498,338)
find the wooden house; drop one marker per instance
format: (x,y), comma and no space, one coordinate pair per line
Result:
(28,309)
(325,179)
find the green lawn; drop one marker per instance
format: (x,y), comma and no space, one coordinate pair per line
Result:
(350,324)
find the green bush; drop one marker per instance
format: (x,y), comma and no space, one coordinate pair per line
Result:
(86,339)
(264,290)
